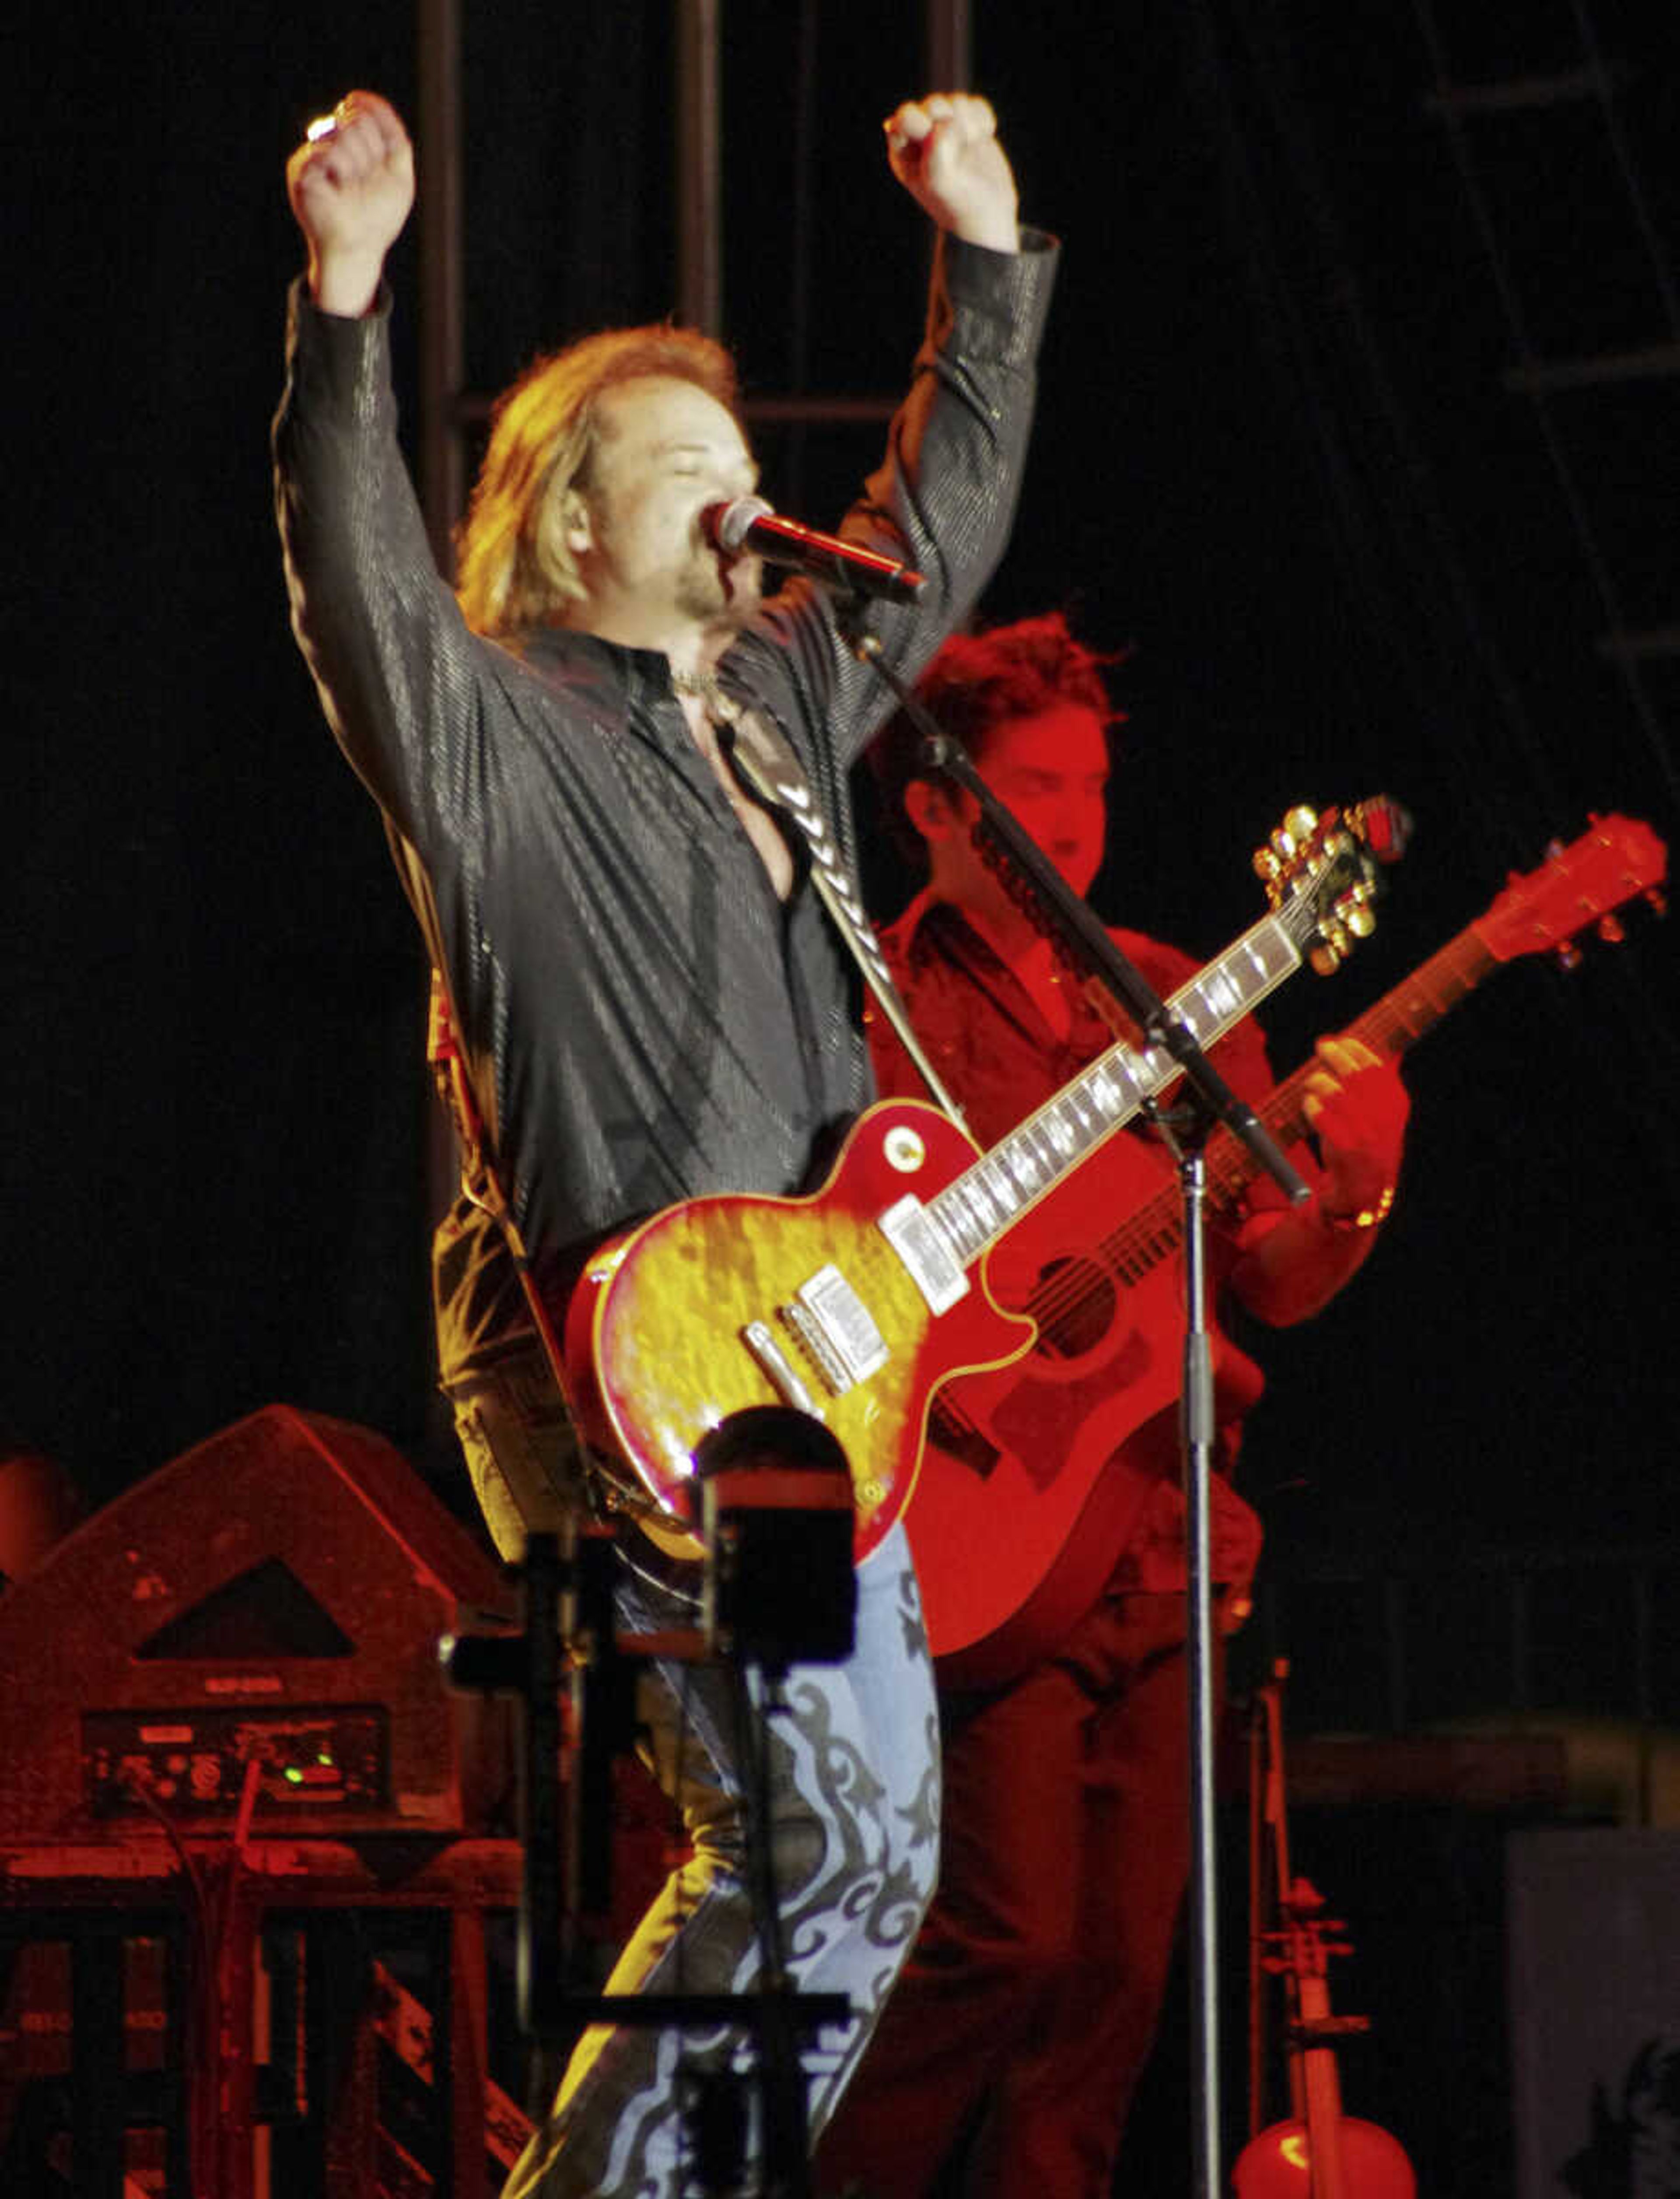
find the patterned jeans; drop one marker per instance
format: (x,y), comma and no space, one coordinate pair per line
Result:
(854,1785)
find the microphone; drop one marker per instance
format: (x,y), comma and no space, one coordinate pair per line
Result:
(749,527)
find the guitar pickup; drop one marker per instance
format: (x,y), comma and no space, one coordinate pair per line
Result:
(836,1327)
(774,1363)
(908,1229)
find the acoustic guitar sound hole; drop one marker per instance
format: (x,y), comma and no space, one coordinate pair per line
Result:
(1073,1303)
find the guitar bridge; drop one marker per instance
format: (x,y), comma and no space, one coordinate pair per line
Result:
(774,1363)
(837,1329)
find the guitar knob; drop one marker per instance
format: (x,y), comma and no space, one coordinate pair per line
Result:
(1569,955)
(1611,931)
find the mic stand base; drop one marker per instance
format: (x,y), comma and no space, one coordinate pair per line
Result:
(569,1630)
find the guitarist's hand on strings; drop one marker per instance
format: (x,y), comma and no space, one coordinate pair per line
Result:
(1295,1260)
(1358,1107)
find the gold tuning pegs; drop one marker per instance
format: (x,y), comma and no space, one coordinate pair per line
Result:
(1286,844)
(1350,918)
(1326,860)
(1333,947)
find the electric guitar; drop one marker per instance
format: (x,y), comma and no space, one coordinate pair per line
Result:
(1034,1478)
(854,1304)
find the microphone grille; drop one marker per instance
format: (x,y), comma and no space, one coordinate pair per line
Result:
(731,523)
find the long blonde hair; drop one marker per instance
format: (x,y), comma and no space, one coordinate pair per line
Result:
(516,570)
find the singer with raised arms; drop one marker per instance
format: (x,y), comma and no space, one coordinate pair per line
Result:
(647,1002)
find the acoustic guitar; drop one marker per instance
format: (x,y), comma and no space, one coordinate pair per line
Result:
(1034,1475)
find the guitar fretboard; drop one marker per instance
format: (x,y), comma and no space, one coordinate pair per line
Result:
(987,1198)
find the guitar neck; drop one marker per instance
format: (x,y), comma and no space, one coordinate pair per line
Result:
(1321,2088)
(975,1209)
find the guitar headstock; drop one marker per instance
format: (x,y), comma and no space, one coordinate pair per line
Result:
(1304,1939)
(1324,868)
(1580,885)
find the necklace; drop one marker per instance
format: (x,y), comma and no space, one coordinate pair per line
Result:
(705,687)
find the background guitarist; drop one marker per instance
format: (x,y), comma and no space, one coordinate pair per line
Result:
(1007,2057)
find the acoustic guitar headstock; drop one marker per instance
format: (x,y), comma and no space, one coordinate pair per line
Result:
(1576,888)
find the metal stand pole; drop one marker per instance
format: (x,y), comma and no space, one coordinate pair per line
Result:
(1196,1410)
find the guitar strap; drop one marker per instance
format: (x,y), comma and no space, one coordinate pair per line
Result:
(766,761)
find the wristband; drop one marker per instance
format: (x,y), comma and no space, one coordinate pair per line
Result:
(1342,1225)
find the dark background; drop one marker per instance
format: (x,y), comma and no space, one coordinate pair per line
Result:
(1278,463)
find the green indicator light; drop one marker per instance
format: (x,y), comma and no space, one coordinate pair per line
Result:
(294,1776)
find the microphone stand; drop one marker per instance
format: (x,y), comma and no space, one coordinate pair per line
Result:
(1064,914)
(569,1631)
